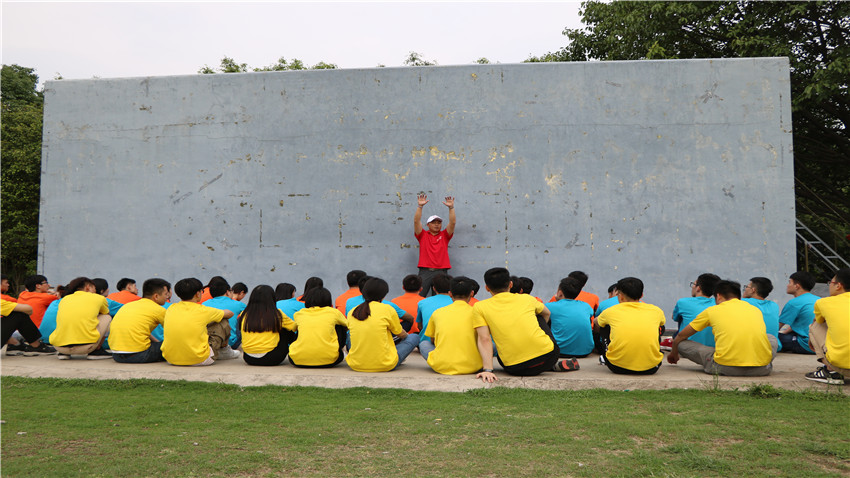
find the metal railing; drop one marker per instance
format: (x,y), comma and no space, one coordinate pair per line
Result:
(811,242)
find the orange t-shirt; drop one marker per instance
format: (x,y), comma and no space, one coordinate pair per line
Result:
(38,301)
(409,301)
(123,296)
(8,298)
(206,295)
(340,301)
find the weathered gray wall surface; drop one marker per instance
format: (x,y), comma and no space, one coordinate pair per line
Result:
(656,169)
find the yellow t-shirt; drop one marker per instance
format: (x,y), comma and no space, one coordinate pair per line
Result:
(512,319)
(130,329)
(185,340)
(740,335)
(835,311)
(372,347)
(317,342)
(455,341)
(634,335)
(261,343)
(76,319)
(6,307)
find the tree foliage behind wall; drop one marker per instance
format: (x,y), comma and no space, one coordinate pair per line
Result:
(21,122)
(815,36)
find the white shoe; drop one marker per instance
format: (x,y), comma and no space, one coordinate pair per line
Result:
(227,353)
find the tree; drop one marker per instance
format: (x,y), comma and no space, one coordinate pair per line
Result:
(229,65)
(415,59)
(21,110)
(815,36)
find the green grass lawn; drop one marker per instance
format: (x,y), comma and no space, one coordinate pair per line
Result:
(115,428)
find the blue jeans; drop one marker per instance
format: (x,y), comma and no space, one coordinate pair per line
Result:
(425,348)
(152,354)
(406,346)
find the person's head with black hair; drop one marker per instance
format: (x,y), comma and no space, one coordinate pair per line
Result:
(411,283)
(441,283)
(516,285)
(218,287)
(189,289)
(157,290)
(840,283)
(569,288)
(758,288)
(80,284)
(461,288)
(4,283)
(580,276)
(374,290)
(612,290)
(318,297)
(362,282)
(312,283)
(240,290)
(799,283)
(261,314)
(726,290)
(353,277)
(704,285)
(127,284)
(629,289)
(283,291)
(101,285)
(36,283)
(497,280)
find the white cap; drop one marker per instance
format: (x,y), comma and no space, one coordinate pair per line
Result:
(434,218)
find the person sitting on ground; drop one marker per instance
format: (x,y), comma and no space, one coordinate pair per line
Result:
(441,283)
(743,347)
(48,321)
(755,293)
(206,293)
(194,334)
(409,301)
(321,332)
(127,291)
(284,291)
(687,308)
(798,314)
(453,348)
(130,330)
(829,334)
(240,290)
(630,331)
(587,297)
(82,322)
(221,299)
(38,296)
(352,279)
(266,331)
(433,241)
(571,320)
(612,300)
(518,324)
(16,317)
(350,304)
(372,326)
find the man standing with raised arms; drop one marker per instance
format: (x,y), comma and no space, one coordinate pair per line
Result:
(433,242)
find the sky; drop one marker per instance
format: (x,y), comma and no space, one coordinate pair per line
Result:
(80,40)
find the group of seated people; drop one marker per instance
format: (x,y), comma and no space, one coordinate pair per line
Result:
(721,329)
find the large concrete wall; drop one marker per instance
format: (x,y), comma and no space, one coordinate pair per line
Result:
(656,169)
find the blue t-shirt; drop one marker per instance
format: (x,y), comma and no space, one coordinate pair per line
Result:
(570,321)
(48,322)
(223,302)
(290,306)
(686,310)
(426,307)
(114,306)
(799,313)
(770,313)
(605,304)
(353,302)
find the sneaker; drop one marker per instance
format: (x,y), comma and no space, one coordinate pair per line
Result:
(566,365)
(13,350)
(42,349)
(99,354)
(227,353)
(667,344)
(63,356)
(825,376)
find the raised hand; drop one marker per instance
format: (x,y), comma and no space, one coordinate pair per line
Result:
(449,202)
(422,199)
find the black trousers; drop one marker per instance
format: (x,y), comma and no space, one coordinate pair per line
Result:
(277,355)
(22,323)
(537,365)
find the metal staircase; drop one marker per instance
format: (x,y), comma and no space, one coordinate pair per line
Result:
(813,247)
